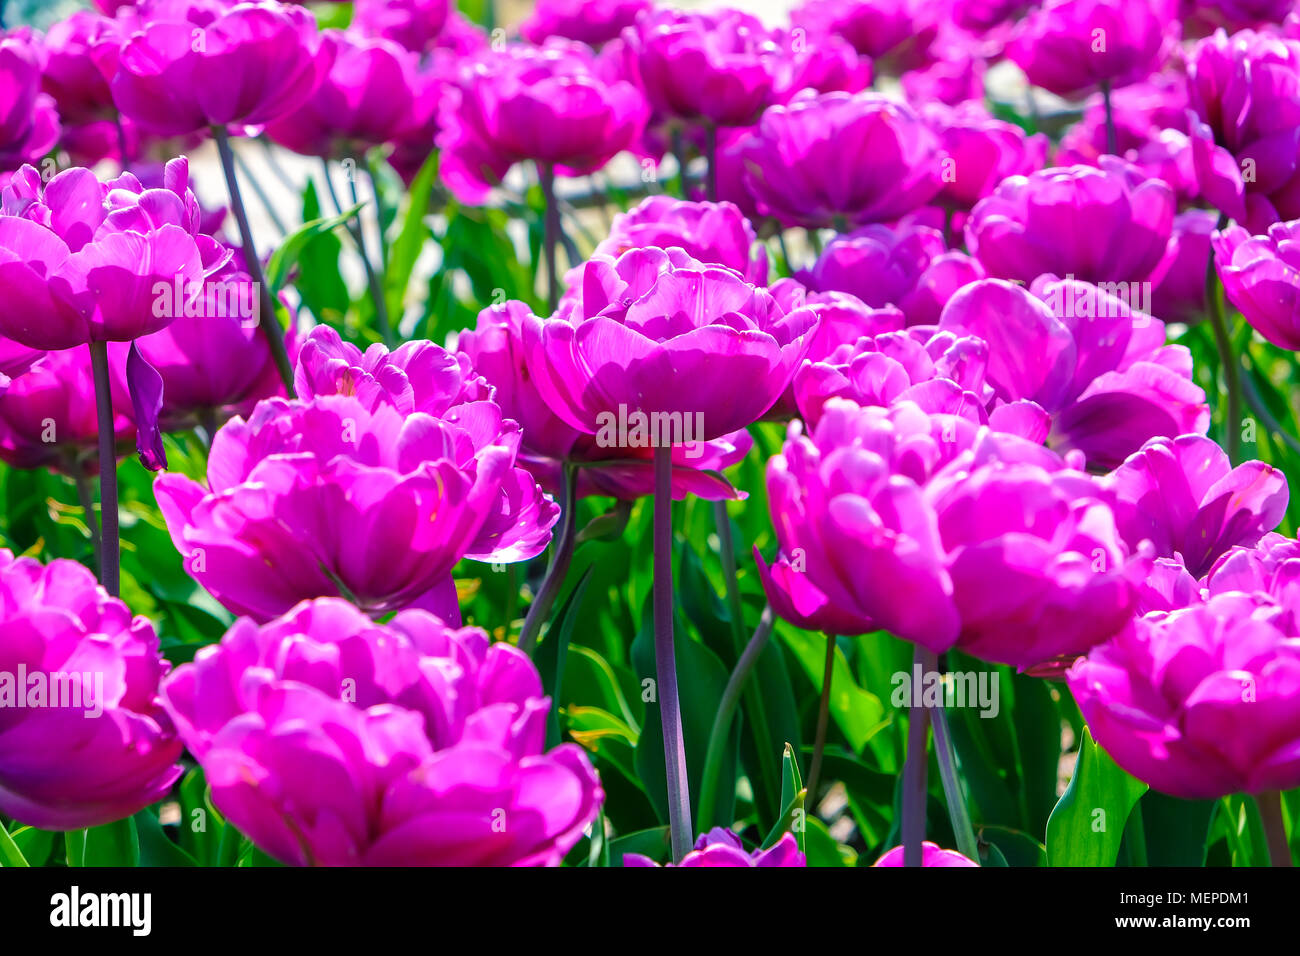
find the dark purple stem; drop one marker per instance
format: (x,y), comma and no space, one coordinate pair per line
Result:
(711,183)
(914,771)
(550,234)
(679,800)
(108,543)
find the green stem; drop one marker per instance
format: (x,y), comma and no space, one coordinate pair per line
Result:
(1270,815)
(550,234)
(957,811)
(721,731)
(917,765)
(1231,364)
(109,558)
(1112,140)
(823,721)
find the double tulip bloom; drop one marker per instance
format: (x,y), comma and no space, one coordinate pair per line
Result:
(331,741)
(555,105)
(946,533)
(1261,277)
(372,487)
(84,739)
(722,848)
(29,122)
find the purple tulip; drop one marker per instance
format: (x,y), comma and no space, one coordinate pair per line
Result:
(551,104)
(1069,47)
(1178,282)
(1245,90)
(84,740)
(366,97)
(931,855)
(1200,702)
(250,65)
(796,599)
(721,847)
(1184,496)
(421,378)
(47,413)
(1261,276)
(29,122)
(1107,224)
(1203,16)
(1088,357)
(346,494)
(668,340)
(79,260)
(956,78)
(334,741)
(81,59)
(719,67)
(998,546)
(588,21)
(907,266)
(841,159)
(713,233)
(1270,566)
(982,151)
(496,350)
(824,64)
(413,24)
(895,31)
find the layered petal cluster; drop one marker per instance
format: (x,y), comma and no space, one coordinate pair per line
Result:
(1245,91)
(1199,702)
(82,261)
(1261,277)
(981,151)
(1184,496)
(414,24)
(842,159)
(898,31)
(554,104)
(194,68)
(657,333)
(495,348)
(338,497)
(366,96)
(1072,46)
(334,741)
(713,233)
(589,21)
(721,847)
(720,67)
(945,533)
(84,739)
(420,377)
(1086,354)
(1099,224)
(29,121)
(907,265)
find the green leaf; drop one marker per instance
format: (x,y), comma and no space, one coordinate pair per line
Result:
(1087,825)
(653,842)
(155,848)
(10,855)
(287,254)
(553,652)
(822,849)
(415,232)
(1177,831)
(113,844)
(36,845)
(858,713)
(1014,847)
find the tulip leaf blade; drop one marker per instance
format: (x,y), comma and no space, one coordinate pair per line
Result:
(1087,825)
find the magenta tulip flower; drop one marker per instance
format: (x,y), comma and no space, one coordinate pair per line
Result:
(29,122)
(248,66)
(551,104)
(1200,702)
(907,266)
(1070,47)
(1261,276)
(1178,282)
(84,740)
(495,347)
(717,67)
(366,96)
(1245,90)
(1107,224)
(1091,359)
(841,159)
(1184,496)
(47,413)
(895,31)
(589,21)
(671,339)
(931,855)
(713,233)
(413,24)
(1203,16)
(1268,567)
(334,741)
(80,260)
(982,151)
(721,847)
